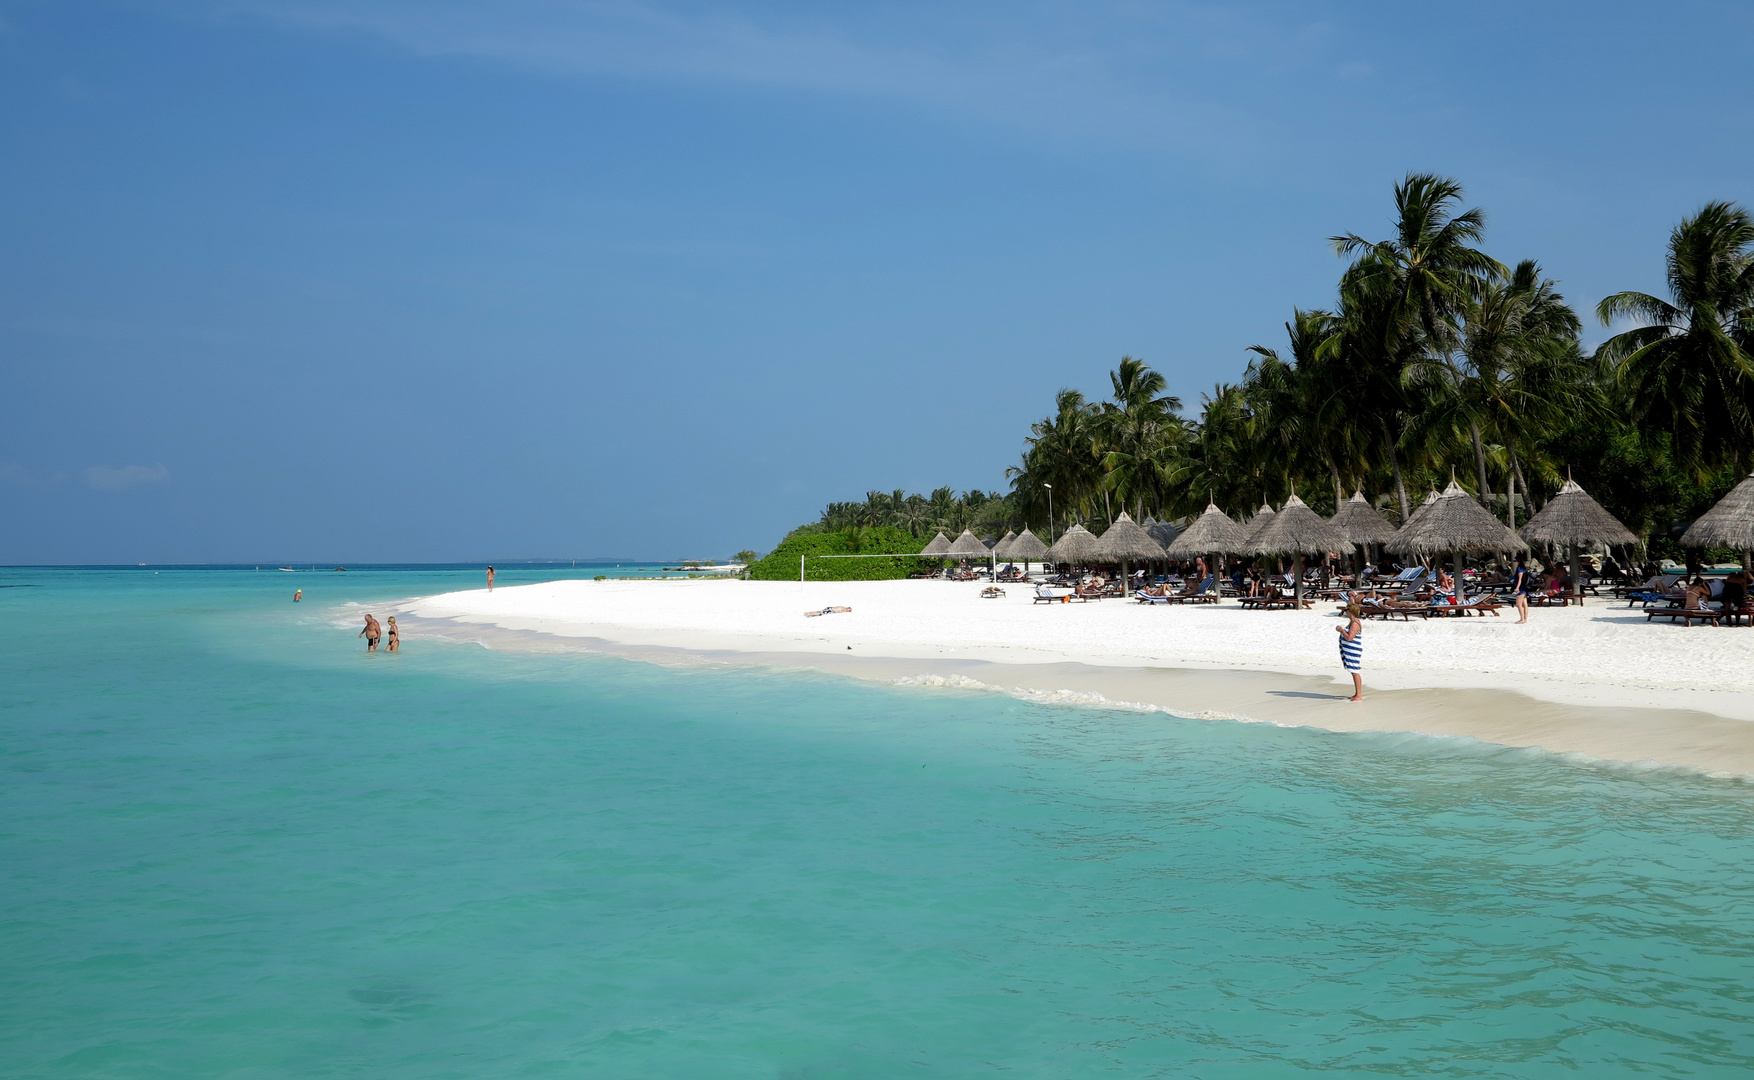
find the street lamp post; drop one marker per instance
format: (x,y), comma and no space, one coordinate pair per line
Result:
(1050,488)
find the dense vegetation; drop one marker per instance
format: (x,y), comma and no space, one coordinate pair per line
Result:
(1433,359)
(782,563)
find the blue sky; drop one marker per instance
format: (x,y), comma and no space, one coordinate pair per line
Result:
(359,280)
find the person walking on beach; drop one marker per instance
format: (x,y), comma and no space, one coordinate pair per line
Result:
(1352,647)
(394,642)
(1521,582)
(490,579)
(371,633)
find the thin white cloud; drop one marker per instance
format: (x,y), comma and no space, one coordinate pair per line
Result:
(1137,73)
(105,478)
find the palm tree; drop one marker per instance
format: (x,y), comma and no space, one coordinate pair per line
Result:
(1518,369)
(1688,369)
(1139,434)
(1400,304)
(1428,264)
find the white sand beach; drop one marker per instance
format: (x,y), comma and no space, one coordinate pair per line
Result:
(1597,680)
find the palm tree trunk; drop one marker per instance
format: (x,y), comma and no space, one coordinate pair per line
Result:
(1400,483)
(1338,497)
(1510,503)
(1479,460)
(1516,465)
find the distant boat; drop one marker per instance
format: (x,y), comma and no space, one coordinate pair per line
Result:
(289,569)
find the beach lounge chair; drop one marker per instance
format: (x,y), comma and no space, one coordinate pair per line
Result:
(1272,603)
(1154,598)
(1199,592)
(1685,614)
(1377,609)
(1047,594)
(1480,605)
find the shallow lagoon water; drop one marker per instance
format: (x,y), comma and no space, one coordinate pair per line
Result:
(233,845)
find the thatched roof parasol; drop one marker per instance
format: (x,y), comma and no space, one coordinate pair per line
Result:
(1361,523)
(939,545)
(1728,524)
(1028,547)
(1262,518)
(1003,548)
(1127,541)
(1431,498)
(1454,522)
(1572,517)
(1295,530)
(1075,545)
(1162,532)
(1211,531)
(968,545)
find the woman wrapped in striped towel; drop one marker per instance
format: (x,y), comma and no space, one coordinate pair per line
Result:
(1352,647)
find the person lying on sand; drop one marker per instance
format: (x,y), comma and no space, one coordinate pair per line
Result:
(826,611)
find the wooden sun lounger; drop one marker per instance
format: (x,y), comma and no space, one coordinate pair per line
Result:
(1380,611)
(1554,600)
(1266,603)
(1043,597)
(1687,615)
(1487,605)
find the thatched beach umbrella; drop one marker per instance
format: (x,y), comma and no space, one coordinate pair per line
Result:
(1002,549)
(1361,523)
(1075,545)
(1728,524)
(1127,541)
(968,546)
(1573,519)
(1296,530)
(1431,498)
(939,545)
(1210,534)
(1029,548)
(1162,532)
(1455,523)
(1263,517)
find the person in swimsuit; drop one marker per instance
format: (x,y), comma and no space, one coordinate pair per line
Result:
(490,579)
(394,644)
(1521,582)
(371,633)
(1352,648)
(297,595)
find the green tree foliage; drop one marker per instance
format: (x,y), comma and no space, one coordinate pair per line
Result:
(1435,359)
(781,564)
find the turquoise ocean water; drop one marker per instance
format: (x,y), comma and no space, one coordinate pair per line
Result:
(233,845)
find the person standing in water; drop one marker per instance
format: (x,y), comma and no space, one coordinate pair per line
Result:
(1352,648)
(490,579)
(1522,581)
(297,595)
(371,633)
(394,642)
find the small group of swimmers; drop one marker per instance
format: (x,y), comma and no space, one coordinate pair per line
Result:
(373,632)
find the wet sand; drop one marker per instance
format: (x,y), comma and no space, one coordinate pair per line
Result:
(1685,738)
